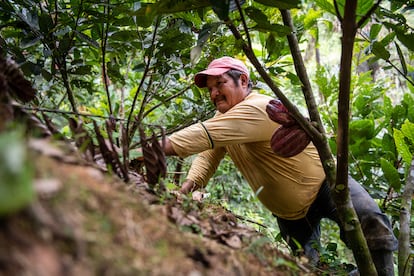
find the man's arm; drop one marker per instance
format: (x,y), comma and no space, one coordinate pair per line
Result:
(188,185)
(168,148)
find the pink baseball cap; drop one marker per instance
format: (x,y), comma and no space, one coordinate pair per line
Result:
(217,67)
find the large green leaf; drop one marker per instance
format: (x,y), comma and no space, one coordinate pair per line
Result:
(205,33)
(379,50)
(402,146)
(364,128)
(407,39)
(263,23)
(408,130)
(221,8)
(408,101)
(374,31)
(280,4)
(174,6)
(388,146)
(402,59)
(363,7)
(87,39)
(391,174)
(326,5)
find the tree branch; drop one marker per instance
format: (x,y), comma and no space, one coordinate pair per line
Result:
(322,146)
(341,195)
(246,30)
(147,66)
(103,49)
(338,14)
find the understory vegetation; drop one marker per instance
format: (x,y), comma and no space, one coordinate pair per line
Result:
(109,76)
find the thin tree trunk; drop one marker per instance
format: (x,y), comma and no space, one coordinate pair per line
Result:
(404,250)
(340,189)
(321,144)
(341,195)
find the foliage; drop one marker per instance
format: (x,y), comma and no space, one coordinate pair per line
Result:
(134,61)
(16,175)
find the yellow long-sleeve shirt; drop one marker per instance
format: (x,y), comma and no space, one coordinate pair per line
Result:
(288,186)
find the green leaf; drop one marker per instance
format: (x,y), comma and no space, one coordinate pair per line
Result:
(144,16)
(81,70)
(45,23)
(16,189)
(326,5)
(221,8)
(332,246)
(263,23)
(87,39)
(402,59)
(374,31)
(388,146)
(406,39)
(205,33)
(281,30)
(387,106)
(175,6)
(124,35)
(257,16)
(391,174)
(273,46)
(402,146)
(379,50)
(408,101)
(399,113)
(311,18)
(280,4)
(408,130)
(363,7)
(364,128)
(387,39)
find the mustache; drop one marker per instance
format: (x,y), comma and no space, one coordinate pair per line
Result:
(219,98)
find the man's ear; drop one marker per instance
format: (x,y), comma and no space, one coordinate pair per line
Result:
(244,80)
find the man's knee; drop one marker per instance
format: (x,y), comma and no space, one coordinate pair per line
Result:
(378,232)
(375,225)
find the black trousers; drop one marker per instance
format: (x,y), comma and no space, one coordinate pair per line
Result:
(304,233)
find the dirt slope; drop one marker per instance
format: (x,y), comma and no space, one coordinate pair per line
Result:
(85,222)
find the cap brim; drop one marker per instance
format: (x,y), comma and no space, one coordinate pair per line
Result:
(200,78)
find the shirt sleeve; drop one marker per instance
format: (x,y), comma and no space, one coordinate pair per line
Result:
(191,140)
(244,123)
(204,166)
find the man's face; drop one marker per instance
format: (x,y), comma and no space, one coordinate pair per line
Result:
(224,93)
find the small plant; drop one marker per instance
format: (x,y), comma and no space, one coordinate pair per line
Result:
(16,175)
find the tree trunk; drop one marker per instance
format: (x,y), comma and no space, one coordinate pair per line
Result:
(321,144)
(346,212)
(404,250)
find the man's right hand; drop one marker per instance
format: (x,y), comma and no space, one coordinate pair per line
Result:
(188,186)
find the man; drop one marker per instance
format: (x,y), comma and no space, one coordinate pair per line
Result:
(293,188)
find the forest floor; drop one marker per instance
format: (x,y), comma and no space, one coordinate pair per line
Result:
(85,222)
